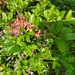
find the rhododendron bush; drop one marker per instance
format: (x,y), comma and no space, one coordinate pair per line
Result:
(37,37)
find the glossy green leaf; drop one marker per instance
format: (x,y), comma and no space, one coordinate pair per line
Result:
(38,7)
(65,30)
(27,14)
(55,27)
(56,12)
(31,33)
(10,15)
(69,15)
(29,52)
(13,49)
(8,43)
(69,22)
(32,47)
(51,10)
(61,15)
(19,39)
(46,14)
(69,36)
(0,11)
(23,30)
(22,45)
(32,18)
(55,64)
(2,23)
(4,16)
(62,45)
(68,66)
(28,38)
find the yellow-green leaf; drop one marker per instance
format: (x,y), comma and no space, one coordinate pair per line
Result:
(69,15)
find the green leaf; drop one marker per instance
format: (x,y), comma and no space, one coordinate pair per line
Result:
(46,14)
(37,9)
(55,64)
(31,33)
(69,22)
(28,38)
(64,30)
(2,23)
(32,47)
(0,11)
(51,10)
(19,73)
(19,39)
(27,14)
(62,45)
(24,73)
(29,52)
(8,43)
(61,15)
(68,66)
(13,49)
(70,59)
(10,15)
(4,16)
(70,72)
(69,36)
(32,18)
(37,20)
(22,45)
(55,27)
(56,12)
(23,30)
(69,15)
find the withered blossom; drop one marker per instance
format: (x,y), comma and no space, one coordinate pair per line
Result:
(20,23)
(38,33)
(15,31)
(12,25)
(29,26)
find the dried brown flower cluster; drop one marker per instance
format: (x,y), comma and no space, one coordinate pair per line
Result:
(20,23)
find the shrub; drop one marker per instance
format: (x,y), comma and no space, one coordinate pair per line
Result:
(38,38)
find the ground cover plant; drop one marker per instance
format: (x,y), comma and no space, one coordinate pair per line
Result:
(37,37)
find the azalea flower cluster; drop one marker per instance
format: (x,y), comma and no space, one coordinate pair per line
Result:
(22,23)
